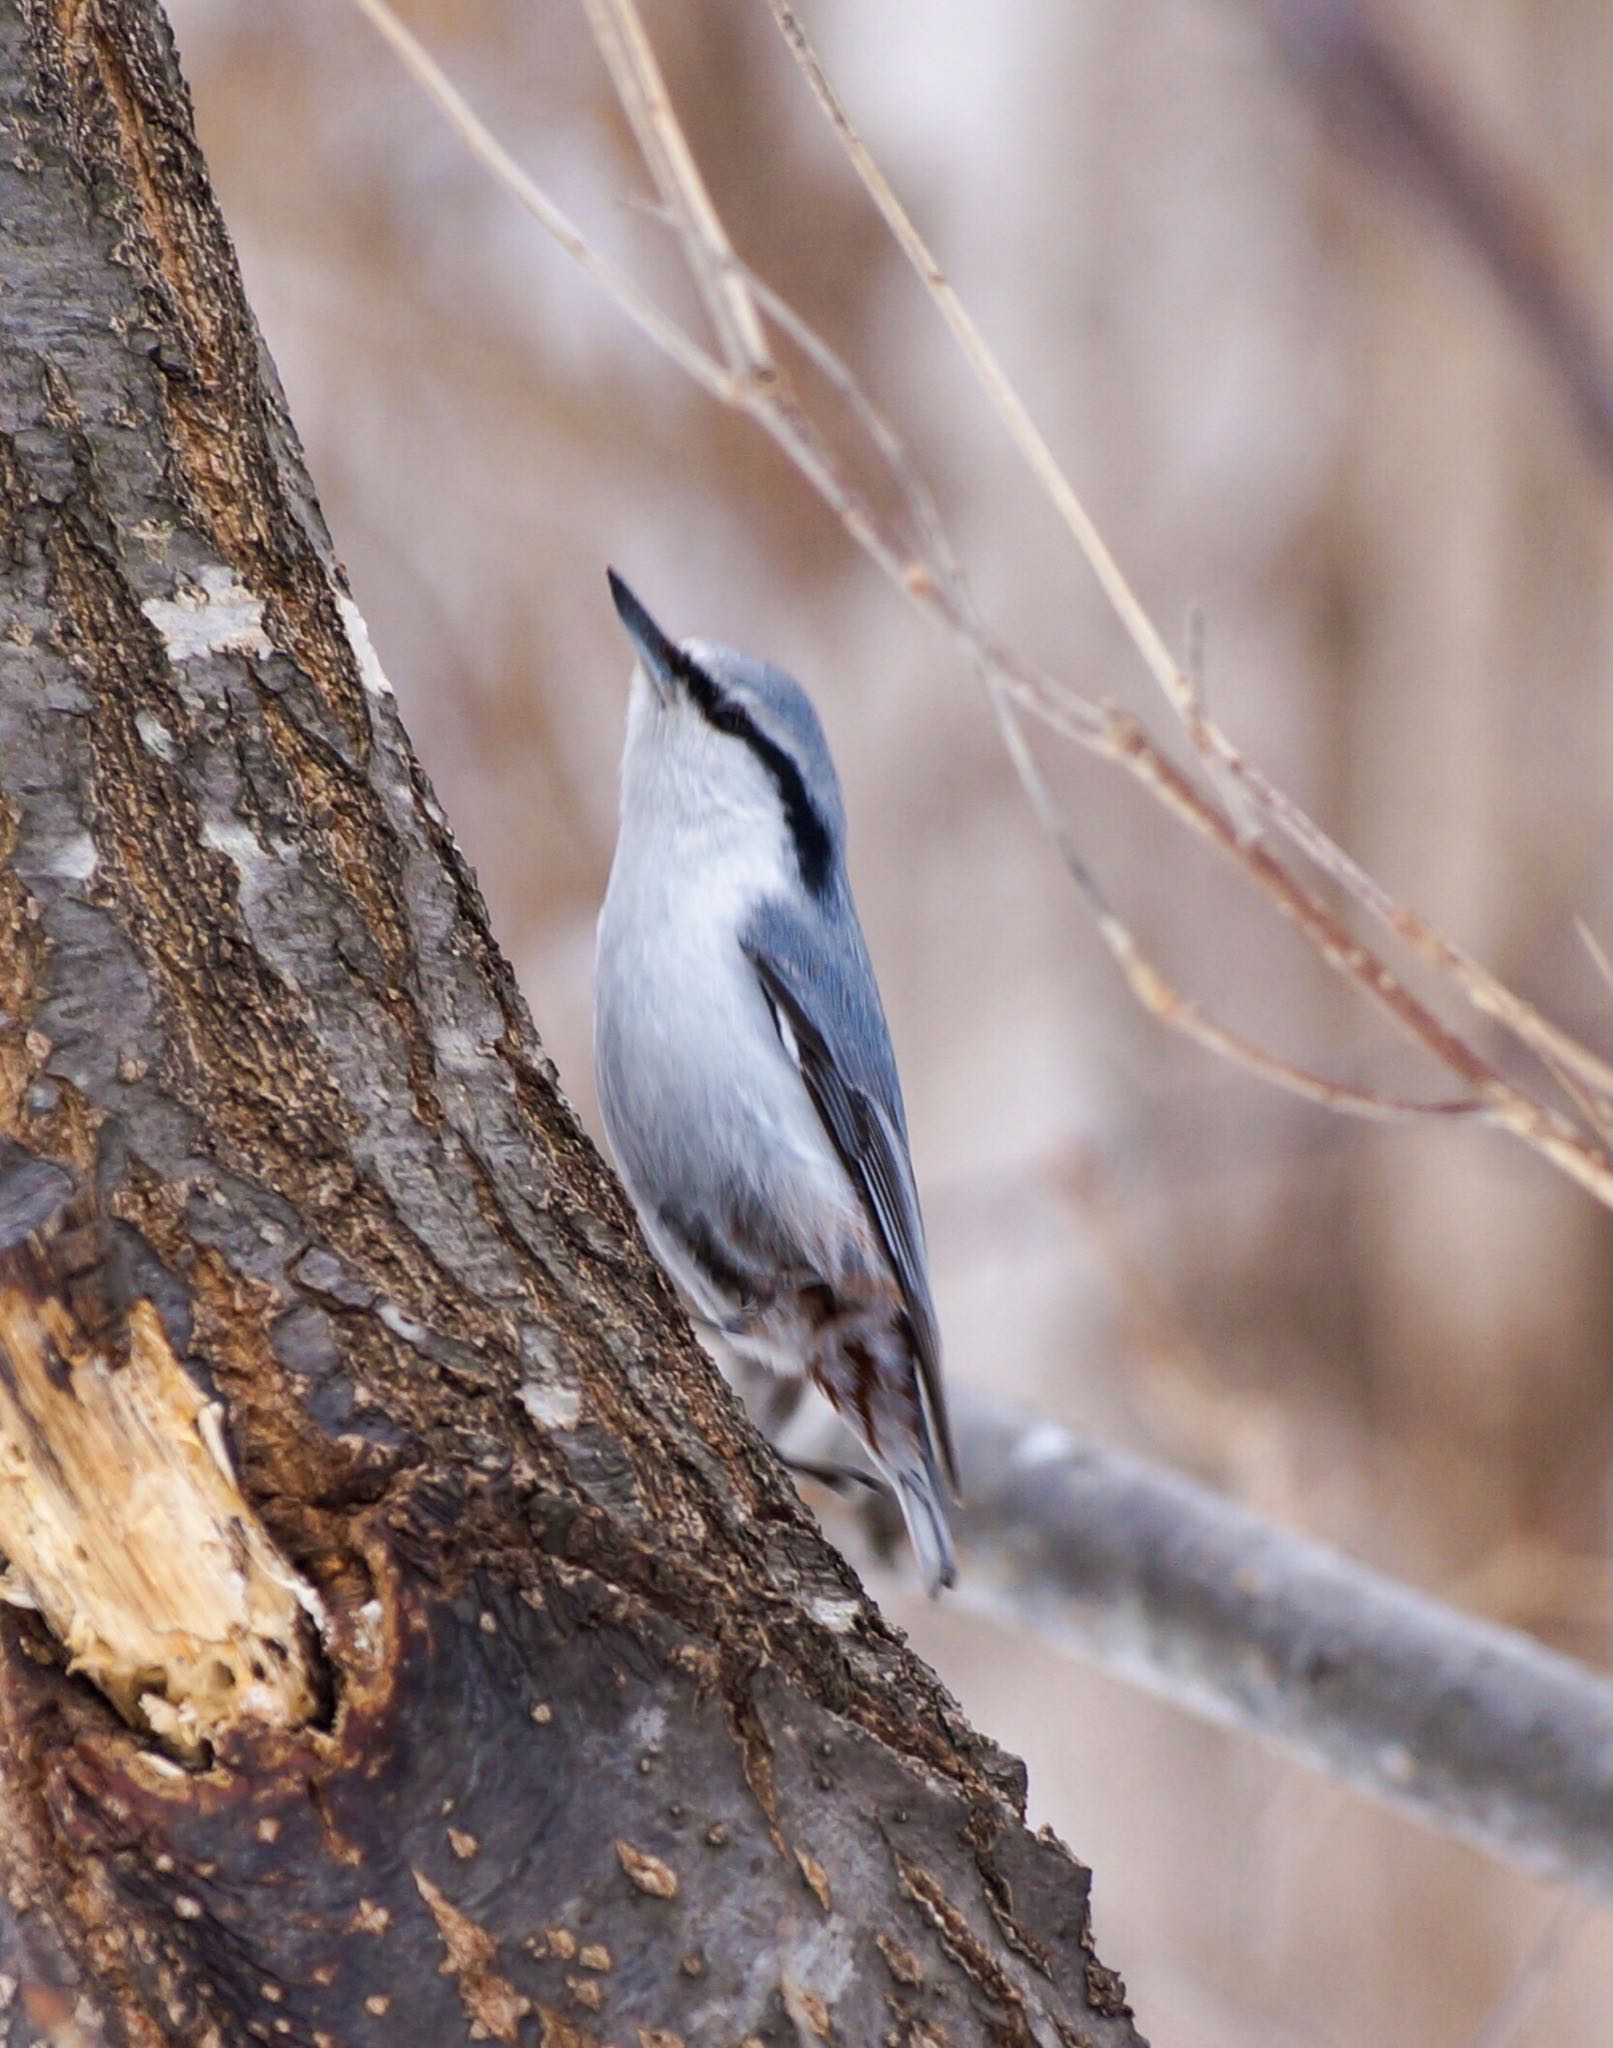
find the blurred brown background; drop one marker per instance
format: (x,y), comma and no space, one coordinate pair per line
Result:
(1294,400)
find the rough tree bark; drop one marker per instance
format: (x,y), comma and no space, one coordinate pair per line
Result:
(409,1641)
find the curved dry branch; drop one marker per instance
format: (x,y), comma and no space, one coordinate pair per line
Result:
(656,325)
(927,573)
(631,61)
(1487,995)
(1152,990)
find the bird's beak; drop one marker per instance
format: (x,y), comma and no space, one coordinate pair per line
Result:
(660,658)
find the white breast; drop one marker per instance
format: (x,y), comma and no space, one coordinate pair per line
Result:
(704,1108)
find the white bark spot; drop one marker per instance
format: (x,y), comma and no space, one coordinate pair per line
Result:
(835,1613)
(539,1349)
(814,1966)
(214,615)
(235,840)
(647,1726)
(74,859)
(458,1049)
(551,1407)
(155,736)
(403,1327)
(370,672)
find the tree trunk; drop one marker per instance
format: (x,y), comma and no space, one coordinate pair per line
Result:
(409,1639)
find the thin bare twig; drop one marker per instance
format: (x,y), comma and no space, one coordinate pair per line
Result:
(478,139)
(1487,994)
(1151,989)
(1005,399)
(1490,997)
(1510,1108)
(1594,947)
(619,34)
(1193,708)
(762,392)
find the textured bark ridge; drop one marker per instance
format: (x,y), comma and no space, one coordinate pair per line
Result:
(408,1641)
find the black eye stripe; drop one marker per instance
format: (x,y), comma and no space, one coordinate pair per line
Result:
(807,829)
(808,833)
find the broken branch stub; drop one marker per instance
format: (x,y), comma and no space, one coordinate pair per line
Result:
(121,1518)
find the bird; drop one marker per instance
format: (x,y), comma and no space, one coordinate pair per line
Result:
(745,1075)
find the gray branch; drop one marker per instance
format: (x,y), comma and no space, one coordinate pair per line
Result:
(1469,1727)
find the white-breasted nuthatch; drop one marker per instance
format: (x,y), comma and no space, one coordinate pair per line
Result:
(745,1072)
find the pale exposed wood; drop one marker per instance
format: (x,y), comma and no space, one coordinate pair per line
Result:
(122,1522)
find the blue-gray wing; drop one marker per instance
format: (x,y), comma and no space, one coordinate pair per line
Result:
(829,1017)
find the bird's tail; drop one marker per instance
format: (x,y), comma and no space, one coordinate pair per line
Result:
(918,1495)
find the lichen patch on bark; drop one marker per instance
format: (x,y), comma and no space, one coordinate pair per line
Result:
(215,615)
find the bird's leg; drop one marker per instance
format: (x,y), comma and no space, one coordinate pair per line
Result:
(838,1478)
(774,1400)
